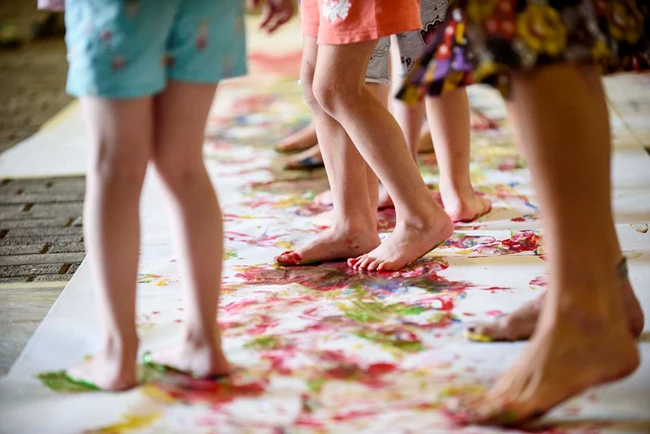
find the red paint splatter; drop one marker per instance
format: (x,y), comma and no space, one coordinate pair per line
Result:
(538,281)
(263,241)
(225,325)
(496,288)
(239,305)
(381,368)
(261,325)
(188,390)
(494,312)
(354,414)
(447,303)
(519,242)
(278,360)
(335,276)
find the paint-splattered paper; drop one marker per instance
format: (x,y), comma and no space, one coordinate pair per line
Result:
(322,348)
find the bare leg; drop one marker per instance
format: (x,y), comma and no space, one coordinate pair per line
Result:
(520,324)
(300,140)
(382,92)
(449,122)
(410,118)
(120,147)
(180,115)
(354,230)
(378,195)
(582,337)
(339,86)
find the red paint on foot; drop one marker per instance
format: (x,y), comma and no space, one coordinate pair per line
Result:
(289,258)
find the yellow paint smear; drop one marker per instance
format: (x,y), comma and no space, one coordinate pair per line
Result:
(131,422)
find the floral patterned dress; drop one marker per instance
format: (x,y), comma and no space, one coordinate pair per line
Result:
(482,41)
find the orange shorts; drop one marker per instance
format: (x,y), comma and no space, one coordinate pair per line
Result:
(335,22)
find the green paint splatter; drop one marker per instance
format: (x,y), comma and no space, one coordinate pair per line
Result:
(264,343)
(392,340)
(60,381)
(413,310)
(315,385)
(229,254)
(376,311)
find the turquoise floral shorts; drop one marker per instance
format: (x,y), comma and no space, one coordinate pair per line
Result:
(130,48)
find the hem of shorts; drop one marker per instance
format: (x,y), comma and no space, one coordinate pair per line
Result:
(309,34)
(206,79)
(390,29)
(115,93)
(378,80)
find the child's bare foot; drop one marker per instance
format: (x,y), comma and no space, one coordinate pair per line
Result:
(576,347)
(324,198)
(112,369)
(306,160)
(520,324)
(336,243)
(200,358)
(300,140)
(464,206)
(406,243)
(481,122)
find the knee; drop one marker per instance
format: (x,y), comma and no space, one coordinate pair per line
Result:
(178,173)
(307,85)
(118,165)
(336,97)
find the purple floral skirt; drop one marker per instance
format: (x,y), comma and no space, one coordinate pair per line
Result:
(482,41)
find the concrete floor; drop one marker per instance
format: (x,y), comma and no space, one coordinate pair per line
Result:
(41,246)
(41,241)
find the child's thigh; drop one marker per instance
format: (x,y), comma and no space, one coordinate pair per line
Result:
(116,48)
(207,41)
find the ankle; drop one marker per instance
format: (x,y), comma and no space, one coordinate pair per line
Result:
(120,347)
(455,189)
(201,337)
(355,225)
(425,223)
